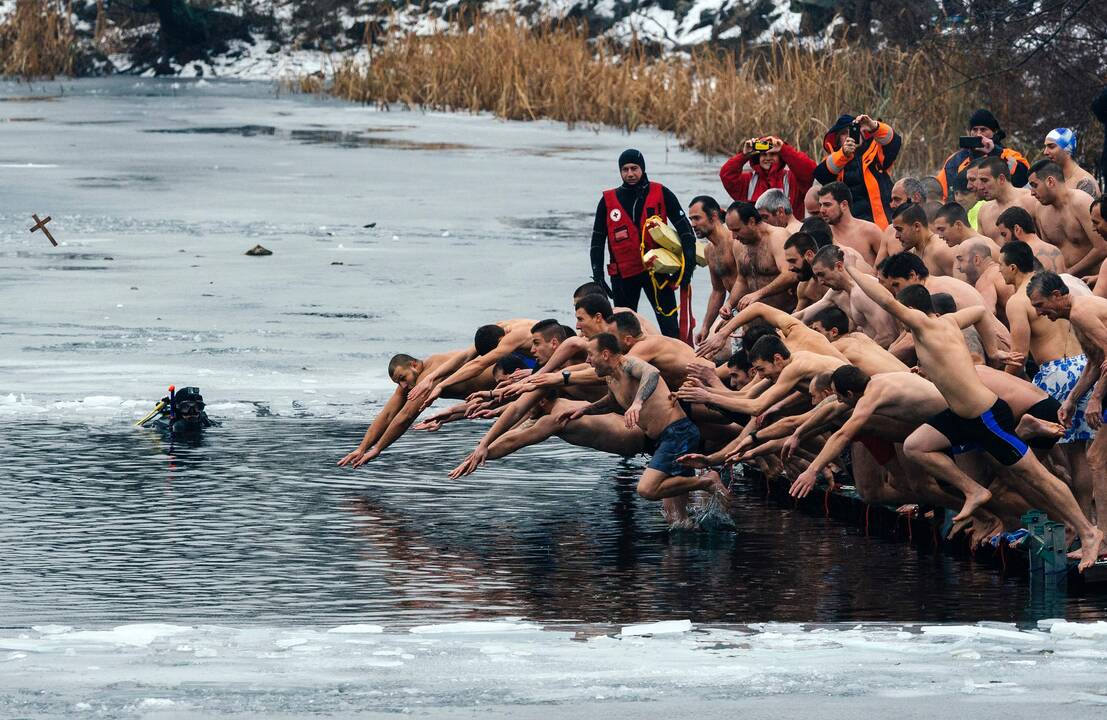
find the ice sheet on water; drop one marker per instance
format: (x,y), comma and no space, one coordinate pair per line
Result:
(664,627)
(360,628)
(137,634)
(494,626)
(214,670)
(1064,629)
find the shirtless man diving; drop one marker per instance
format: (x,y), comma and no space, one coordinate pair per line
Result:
(866,316)
(975,415)
(637,386)
(401,409)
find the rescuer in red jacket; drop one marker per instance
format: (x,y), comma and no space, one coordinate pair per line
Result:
(779,166)
(618,226)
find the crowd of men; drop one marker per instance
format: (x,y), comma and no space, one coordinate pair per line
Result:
(941,341)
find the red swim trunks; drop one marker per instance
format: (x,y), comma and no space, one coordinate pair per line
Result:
(883,450)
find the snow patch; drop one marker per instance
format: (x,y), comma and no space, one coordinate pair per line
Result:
(135,635)
(492,626)
(665,627)
(1066,629)
(357,629)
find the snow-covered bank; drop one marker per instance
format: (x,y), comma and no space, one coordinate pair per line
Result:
(521,669)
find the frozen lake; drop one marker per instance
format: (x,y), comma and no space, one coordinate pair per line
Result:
(158,188)
(247,576)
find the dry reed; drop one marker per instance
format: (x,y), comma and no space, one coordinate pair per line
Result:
(710,100)
(37,40)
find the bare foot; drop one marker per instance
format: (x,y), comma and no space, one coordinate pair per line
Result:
(984,529)
(1032,427)
(1091,546)
(973,500)
(957,527)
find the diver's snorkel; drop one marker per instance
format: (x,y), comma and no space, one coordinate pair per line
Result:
(172,411)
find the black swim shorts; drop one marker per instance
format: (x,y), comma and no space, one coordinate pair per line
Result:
(993,432)
(1044,410)
(680,438)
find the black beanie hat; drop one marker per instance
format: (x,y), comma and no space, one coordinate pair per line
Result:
(631,155)
(985,118)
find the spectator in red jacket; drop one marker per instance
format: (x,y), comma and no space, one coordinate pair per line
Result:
(781,166)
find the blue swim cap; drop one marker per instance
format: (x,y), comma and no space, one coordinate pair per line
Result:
(1065,139)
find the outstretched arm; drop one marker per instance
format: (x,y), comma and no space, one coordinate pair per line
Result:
(429,381)
(732,401)
(813,421)
(378,426)
(507,345)
(514,412)
(880,295)
(804,314)
(569,347)
(777,318)
(397,427)
(519,438)
(834,447)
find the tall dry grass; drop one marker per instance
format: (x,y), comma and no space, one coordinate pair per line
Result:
(37,40)
(710,100)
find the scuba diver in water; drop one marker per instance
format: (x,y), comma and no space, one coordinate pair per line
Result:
(179,413)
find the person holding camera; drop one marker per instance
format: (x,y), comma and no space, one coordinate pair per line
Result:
(984,140)
(773,164)
(860,152)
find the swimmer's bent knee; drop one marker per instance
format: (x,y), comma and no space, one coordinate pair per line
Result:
(648,490)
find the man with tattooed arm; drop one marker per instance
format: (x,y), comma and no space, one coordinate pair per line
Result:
(638,387)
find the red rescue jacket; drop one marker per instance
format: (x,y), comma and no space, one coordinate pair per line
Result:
(624,237)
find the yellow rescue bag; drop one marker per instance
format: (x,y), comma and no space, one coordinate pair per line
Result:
(662,262)
(663,234)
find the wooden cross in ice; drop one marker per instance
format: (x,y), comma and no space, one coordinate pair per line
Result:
(41,225)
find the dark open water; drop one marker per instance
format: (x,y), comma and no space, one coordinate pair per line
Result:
(256,524)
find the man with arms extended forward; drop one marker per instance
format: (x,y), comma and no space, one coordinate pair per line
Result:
(457,374)
(868,317)
(638,387)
